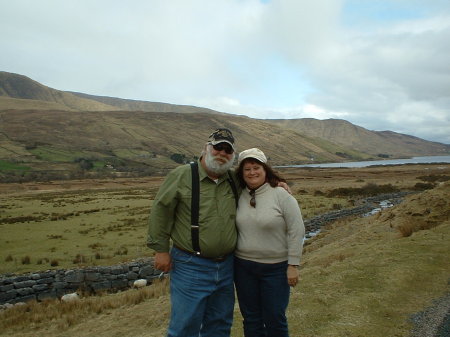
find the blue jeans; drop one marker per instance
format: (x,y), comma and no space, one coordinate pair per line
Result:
(263,295)
(201,295)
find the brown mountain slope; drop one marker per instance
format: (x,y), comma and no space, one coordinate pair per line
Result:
(20,92)
(332,140)
(134,105)
(22,88)
(355,137)
(135,135)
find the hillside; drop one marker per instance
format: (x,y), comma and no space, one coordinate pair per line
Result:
(360,139)
(20,92)
(140,142)
(134,105)
(70,134)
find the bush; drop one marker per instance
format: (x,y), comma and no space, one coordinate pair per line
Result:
(367,190)
(26,260)
(423,186)
(122,251)
(80,258)
(434,178)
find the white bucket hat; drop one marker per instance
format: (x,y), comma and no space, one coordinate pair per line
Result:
(252,153)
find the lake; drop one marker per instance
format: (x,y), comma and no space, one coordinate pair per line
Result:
(414,160)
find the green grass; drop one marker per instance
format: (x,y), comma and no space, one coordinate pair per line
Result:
(8,166)
(359,277)
(55,155)
(105,227)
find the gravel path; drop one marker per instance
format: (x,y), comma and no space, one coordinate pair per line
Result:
(434,321)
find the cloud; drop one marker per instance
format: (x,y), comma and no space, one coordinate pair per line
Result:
(381,65)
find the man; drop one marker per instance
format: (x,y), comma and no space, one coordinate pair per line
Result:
(201,276)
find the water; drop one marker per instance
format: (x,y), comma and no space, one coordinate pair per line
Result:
(414,160)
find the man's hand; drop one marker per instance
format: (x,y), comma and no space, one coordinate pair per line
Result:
(292,275)
(285,186)
(163,262)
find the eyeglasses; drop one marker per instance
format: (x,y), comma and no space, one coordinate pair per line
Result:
(252,199)
(223,147)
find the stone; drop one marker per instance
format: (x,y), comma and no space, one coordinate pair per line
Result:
(132,276)
(92,277)
(25,291)
(7,296)
(146,271)
(24,284)
(40,287)
(45,280)
(74,276)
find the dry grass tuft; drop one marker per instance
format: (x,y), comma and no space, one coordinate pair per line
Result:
(421,212)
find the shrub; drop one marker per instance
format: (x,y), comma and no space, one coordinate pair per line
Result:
(367,190)
(9,258)
(423,186)
(122,251)
(26,260)
(79,258)
(406,230)
(432,178)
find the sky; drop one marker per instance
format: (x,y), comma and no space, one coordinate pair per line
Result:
(381,65)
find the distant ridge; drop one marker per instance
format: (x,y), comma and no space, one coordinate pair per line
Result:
(44,129)
(136,105)
(348,135)
(20,88)
(15,88)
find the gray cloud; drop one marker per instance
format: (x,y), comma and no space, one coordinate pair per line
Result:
(275,59)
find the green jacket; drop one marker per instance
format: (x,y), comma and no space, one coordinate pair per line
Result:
(170,217)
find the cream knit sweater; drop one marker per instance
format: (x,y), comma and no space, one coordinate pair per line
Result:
(271,232)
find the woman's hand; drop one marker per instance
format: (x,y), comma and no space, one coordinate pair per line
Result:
(292,275)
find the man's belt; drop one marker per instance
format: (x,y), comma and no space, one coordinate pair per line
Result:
(215,259)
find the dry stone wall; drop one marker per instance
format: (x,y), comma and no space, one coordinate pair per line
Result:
(367,205)
(55,283)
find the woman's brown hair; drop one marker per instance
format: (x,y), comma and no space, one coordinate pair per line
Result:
(272,177)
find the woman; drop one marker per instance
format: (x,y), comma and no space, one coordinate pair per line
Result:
(269,247)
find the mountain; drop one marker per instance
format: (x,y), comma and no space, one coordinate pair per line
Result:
(348,135)
(66,133)
(20,92)
(133,105)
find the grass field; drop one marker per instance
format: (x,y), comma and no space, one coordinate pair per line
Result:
(359,277)
(88,227)
(67,229)
(7,166)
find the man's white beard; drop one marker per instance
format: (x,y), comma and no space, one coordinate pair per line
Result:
(216,166)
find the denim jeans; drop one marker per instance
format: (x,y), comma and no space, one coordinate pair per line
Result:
(201,295)
(263,295)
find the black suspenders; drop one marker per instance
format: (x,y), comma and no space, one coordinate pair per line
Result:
(195,208)
(195,200)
